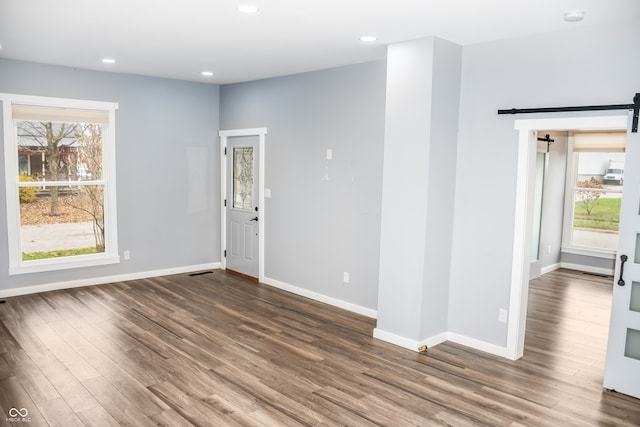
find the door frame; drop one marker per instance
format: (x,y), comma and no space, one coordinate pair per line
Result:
(224,135)
(526,154)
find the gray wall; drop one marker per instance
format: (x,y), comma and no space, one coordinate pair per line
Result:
(582,66)
(158,121)
(324,215)
(588,261)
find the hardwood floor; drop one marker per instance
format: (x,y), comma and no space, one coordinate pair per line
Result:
(217,350)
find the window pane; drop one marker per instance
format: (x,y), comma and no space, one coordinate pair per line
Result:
(60,151)
(61,221)
(596,218)
(597,200)
(243,178)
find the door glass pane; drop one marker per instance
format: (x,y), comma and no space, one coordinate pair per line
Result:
(632,345)
(635,297)
(636,258)
(243,178)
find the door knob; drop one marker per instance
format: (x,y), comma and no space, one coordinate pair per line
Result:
(623,259)
(254,219)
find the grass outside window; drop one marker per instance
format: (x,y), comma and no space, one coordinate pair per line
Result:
(605,215)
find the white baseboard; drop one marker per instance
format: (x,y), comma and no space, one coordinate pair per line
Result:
(438,339)
(407,343)
(477,344)
(435,340)
(398,340)
(587,269)
(321,297)
(14,292)
(550,268)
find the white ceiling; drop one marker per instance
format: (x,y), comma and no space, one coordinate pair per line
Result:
(181,38)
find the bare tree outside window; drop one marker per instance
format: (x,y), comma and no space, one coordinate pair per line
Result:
(67,152)
(49,139)
(589,199)
(89,139)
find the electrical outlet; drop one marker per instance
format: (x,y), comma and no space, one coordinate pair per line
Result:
(126,255)
(548,249)
(502,316)
(345,277)
(329,154)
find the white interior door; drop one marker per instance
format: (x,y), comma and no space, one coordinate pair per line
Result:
(622,369)
(242,205)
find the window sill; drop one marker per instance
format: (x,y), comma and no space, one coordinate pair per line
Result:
(26,267)
(591,252)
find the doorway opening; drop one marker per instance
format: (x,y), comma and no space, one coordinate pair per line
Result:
(524,217)
(578,183)
(242,206)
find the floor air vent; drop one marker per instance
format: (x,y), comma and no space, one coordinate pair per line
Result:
(596,274)
(201,273)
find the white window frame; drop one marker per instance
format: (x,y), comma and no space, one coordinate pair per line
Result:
(110,255)
(569,212)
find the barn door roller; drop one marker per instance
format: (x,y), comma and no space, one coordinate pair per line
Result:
(635,107)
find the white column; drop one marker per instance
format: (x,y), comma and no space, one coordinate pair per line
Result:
(423,88)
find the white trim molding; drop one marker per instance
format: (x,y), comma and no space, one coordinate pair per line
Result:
(414,345)
(93,281)
(398,340)
(594,253)
(261,133)
(523,214)
(321,298)
(476,344)
(73,110)
(550,268)
(408,343)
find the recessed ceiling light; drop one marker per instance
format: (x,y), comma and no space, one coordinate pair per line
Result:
(368,39)
(574,16)
(207,73)
(108,60)
(248,8)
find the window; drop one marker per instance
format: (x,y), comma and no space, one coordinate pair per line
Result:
(594,191)
(60,183)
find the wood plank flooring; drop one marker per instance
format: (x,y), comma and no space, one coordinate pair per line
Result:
(218,350)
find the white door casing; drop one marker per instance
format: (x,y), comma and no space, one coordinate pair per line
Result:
(526,153)
(622,368)
(249,263)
